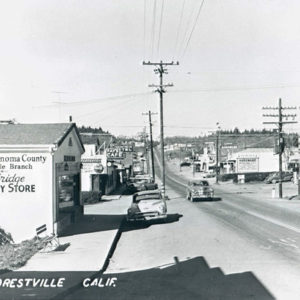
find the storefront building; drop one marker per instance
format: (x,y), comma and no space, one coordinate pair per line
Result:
(256,160)
(39,177)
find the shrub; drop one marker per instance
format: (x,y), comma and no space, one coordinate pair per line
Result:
(253,176)
(89,197)
(5,237)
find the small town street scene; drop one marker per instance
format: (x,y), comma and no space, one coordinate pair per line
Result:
(150,150)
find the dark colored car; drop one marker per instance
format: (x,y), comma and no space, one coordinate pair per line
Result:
(199,189)
(274,177)
(185,164)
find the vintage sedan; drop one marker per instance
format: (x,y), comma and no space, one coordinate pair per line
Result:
(274,177)
(199,189)
(142,183)
(147,205)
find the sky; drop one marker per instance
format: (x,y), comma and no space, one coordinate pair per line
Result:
(85,59)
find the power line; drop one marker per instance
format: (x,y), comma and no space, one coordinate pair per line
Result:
(103,110)
(90,101)
(144,50)
(186,29)
(225,89)
(178,29)
(153,27)
(189,39)
(160,25)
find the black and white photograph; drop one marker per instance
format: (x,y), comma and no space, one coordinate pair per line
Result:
(149,149)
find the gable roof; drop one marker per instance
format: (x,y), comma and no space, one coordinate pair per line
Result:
(36,134)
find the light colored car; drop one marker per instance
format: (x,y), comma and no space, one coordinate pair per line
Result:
(147,205)
(199,189)
(142,182)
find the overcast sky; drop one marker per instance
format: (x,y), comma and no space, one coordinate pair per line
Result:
(235,57)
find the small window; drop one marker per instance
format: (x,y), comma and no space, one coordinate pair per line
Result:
(70,142)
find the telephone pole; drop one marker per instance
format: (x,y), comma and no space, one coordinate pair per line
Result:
(280,124)
(149,113)
(160,89)
(217,152)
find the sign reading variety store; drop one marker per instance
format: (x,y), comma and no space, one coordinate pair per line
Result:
(18,172)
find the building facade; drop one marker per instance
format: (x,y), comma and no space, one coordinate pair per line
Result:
(39,177)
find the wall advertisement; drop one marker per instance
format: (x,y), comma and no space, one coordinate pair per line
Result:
(25,189)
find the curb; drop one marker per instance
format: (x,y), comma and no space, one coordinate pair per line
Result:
(110,253)
(113,247)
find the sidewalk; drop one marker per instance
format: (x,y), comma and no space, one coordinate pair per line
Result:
(90,239)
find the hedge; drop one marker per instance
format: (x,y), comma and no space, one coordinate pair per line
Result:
(90,197)
(253,176)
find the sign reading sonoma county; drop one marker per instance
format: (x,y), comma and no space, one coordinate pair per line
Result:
(17,172)
(26,192)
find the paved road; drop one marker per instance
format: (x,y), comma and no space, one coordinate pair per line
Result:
(234,234)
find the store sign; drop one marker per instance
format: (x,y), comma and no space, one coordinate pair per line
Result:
(247,164)
(26,186)
(119,152)
(115,153)
(92,165)
(17,172)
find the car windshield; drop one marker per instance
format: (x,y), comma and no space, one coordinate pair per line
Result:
(153,196)
(200,183)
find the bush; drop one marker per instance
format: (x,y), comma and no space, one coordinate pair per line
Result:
(254,176)
(5,237)
(90,197)
(14,256)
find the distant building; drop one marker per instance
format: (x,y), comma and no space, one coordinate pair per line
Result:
(254,160)
(98,173)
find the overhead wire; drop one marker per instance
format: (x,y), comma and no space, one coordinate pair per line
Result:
(185,34)
(107,108)
(153,28)
(96,100)
(144,42)
(195,23)
(178,29)
(160,26)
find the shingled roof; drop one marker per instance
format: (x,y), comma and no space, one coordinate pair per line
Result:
(35,134)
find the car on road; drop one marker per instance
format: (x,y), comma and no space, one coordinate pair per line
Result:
(185,164)
(147,205)
(199,189)
(274,177)
(141,183)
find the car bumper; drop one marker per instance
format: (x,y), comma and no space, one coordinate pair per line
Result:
(210,195)
(146,216)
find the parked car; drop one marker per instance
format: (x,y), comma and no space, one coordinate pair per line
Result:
(199,189)
(147,205)
(143,182)
(274,177)
(185,164)
(209,175)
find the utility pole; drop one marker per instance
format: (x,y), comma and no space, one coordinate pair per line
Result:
(217,152)
(151,142)
(280,124)
(160,89)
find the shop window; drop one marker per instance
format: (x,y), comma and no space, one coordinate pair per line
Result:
(65,191)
